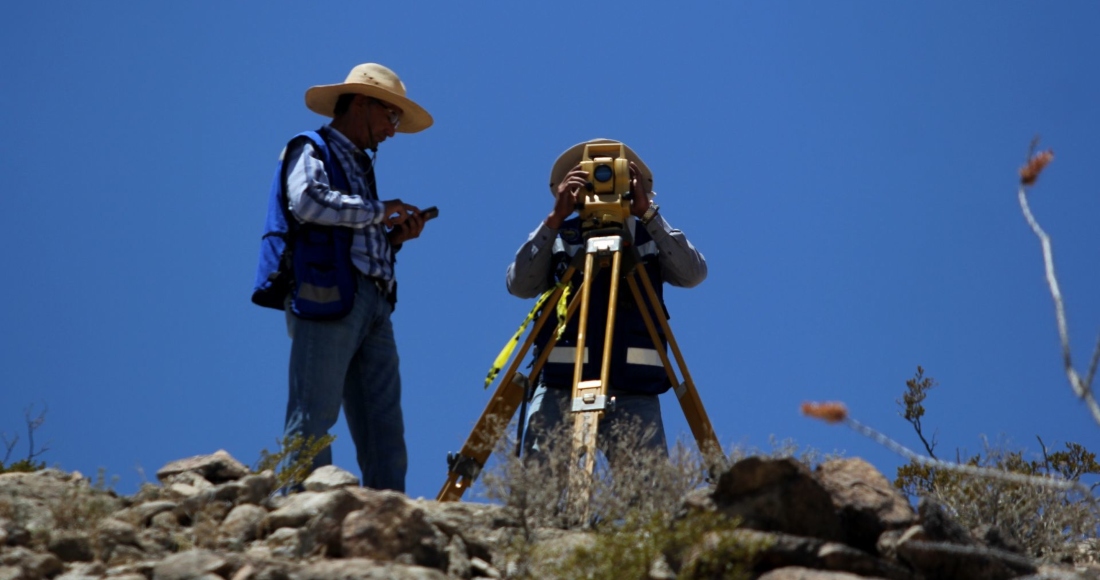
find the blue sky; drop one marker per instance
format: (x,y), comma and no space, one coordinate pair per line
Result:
(847,168)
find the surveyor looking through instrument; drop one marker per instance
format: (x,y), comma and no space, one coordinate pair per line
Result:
(637,375)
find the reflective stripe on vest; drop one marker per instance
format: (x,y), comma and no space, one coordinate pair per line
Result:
(643,356)
(566,354)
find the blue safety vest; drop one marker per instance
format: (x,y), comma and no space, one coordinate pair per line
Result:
(635,363)
(310,263)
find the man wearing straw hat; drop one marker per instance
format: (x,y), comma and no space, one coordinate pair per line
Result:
(328,259)
(637,375)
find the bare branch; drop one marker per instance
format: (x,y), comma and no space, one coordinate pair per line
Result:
(32,425)
(1046,458)
(1044,481)
(1081,388)
(10,445)
(1092,365)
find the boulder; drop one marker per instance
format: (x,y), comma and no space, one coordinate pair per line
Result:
(218,467)
(866,502)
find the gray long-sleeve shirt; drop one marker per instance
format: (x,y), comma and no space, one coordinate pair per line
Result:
(681,264)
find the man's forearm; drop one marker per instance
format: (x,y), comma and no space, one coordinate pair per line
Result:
(311,198)
(681,264)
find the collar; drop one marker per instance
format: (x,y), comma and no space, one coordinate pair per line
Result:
(341,141)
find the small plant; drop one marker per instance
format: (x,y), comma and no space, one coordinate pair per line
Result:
(28,463)
(293,462)
(84,505)
(700,545)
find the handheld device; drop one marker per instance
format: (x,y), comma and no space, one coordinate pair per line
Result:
(429,213)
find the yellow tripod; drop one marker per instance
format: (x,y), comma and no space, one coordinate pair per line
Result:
(590,401)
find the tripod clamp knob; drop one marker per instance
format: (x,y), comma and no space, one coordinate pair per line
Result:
(463,466)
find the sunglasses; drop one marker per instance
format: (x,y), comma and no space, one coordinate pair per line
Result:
(393,116)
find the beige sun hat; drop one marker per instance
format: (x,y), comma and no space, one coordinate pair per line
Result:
(372,80)
(572,157)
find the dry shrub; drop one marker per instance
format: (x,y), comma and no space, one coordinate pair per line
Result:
(703,545)
(636,482)
(782,449)
(292,462)
(1051,524)
(84,505)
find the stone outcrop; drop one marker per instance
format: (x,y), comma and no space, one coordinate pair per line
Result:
(214,520)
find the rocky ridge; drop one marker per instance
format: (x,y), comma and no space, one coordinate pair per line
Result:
(212,519)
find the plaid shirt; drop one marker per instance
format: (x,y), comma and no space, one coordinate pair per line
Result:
(312,200)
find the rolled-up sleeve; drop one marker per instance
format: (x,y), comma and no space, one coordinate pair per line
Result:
(528,276)
(310,198)
(681,264)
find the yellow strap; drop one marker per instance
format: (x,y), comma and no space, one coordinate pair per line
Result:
(506,352)
(563,308)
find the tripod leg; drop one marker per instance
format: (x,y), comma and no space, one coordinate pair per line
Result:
(585,425)
(590,397)
(686,393)
(466,465)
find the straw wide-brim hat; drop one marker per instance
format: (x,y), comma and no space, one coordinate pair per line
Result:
(572,157)
(372,80)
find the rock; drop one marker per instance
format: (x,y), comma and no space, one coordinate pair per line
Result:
(156,540)
(124,555)
(186,485)
(33,564)
(799,573)
(778,495)
(190,565)
(458,562)
(216,468)
(483,569)
(299,508)
(939,525)
(389,526)
(256,487)
(13,534)
(947,561)
(242,525)
(319,514)
(113,532)
(42,498)
(84,571)
(285,542)
(479,525)
(142,568)
(997,537)
(365,569)
(165,520)
(143,513)
(72,546)
(866,502)
(329,477)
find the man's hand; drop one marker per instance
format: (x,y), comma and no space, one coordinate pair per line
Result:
(406,230)
(565,199)
(639,192)
(397,211)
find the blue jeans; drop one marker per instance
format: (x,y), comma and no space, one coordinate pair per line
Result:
(351,362)
(550,408)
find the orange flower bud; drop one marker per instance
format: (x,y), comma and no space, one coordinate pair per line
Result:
(831,412)
(1031,170)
